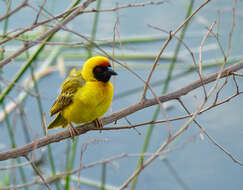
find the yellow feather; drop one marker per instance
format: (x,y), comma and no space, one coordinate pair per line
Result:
(83,97)
(90,102)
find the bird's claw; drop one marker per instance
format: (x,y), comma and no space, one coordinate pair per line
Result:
(73,131)
(99,124)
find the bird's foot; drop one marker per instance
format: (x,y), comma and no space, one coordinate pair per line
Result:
(72,130)
(99,124)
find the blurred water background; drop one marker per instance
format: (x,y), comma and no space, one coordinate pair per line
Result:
(198,164)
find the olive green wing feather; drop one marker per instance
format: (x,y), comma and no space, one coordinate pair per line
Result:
(64,99)
(69,87)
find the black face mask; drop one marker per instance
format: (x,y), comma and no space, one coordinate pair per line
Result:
(103,73)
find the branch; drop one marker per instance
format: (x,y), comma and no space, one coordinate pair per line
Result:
(7,37)
(56,28)
(171,35)
(24,150)
(5,16)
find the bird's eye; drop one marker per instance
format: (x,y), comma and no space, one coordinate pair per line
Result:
(98,69)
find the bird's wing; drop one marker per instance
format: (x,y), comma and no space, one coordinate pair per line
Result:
(69,87)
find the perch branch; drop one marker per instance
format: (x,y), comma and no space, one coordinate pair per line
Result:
(25,149)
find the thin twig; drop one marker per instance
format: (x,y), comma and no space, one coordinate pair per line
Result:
(39,12)
(23,4)
(57,27)
(211,138)
(38,173)
(172,34)
(179,132)
(90,165)
(232,29)
(41,23)
(200,55)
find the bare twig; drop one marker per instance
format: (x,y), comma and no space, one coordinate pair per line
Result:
(15,166)
(23,4)
(39,12)
(92,164)
(38,173)
(200,56)
(41,23)
(57,27)
(211,138)
(179,132)
(232,29)
(237,74)
(171,35)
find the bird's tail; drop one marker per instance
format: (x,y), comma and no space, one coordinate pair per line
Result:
(57,122)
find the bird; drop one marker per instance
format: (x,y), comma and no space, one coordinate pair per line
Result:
(85,95)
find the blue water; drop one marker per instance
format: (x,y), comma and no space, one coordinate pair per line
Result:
(198,164)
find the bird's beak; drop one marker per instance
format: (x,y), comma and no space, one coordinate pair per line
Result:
(111,71)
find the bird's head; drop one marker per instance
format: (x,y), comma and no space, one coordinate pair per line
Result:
(97,68)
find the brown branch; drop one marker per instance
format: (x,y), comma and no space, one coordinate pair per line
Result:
(211,138)
(60,175)
(38,173)
(35,25)
(56,28)
(232,29)
(171,35)
(175,135)
(39,12)
(237,74)
(23,4)
(200,55)
(24,150)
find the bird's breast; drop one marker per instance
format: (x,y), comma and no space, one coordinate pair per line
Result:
(90,102)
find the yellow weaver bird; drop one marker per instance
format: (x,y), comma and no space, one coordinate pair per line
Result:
(85,95)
